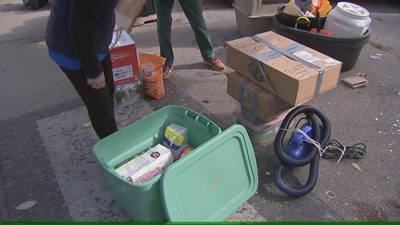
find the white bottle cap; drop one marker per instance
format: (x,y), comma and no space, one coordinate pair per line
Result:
(352,10)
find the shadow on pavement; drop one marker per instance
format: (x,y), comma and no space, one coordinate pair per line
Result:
(20,8)
(191,66)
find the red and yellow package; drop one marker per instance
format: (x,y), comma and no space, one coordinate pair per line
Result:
(151,67)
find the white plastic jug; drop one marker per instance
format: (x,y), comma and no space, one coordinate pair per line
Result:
(348,20)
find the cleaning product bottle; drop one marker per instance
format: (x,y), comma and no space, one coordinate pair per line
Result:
(324,8)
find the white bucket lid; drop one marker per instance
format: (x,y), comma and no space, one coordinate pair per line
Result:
(352,9)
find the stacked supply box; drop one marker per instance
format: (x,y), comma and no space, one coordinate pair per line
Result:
(255,16)
(261,112)
(273,74)
(264,105)
(258,7)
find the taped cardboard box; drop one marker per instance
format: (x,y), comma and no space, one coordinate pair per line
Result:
(256,99)
(127,11)
(291,71)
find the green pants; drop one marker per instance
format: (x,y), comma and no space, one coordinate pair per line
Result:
(194,13)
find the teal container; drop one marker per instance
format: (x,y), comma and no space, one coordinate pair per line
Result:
(208,184)
(259,136)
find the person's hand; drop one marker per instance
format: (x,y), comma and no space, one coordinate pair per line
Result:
(97,83)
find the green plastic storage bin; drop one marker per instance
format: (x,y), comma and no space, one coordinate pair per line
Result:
(209,183)
(263,135)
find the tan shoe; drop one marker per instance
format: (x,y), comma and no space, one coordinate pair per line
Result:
(167,71)
(215,63)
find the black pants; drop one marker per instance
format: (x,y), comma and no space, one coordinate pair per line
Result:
(99,102)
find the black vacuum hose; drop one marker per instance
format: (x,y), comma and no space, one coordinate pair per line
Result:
(292,191)
(321,131)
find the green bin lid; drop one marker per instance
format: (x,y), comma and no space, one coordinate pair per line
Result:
(213,181)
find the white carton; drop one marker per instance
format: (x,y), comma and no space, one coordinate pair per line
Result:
(156,159)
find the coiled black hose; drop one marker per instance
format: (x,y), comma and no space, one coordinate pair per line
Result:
(321,131)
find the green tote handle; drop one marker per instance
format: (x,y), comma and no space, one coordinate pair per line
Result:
(198,119)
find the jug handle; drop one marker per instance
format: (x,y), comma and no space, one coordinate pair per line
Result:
(365,30)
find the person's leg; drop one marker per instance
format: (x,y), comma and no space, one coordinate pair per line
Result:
(164,23)
(106,64)
(193,10)
(99,104)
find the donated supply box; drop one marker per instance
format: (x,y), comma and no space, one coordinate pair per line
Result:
(255,8)
(127,11)
(124,58)
(289,70)
(125,66)
(256,99)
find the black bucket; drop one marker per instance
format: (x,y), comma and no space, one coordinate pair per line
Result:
(345,50)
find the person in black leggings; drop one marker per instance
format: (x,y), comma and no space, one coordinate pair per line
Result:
(99,102)
(78,35)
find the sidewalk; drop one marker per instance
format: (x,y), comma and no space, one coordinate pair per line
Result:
(46,153)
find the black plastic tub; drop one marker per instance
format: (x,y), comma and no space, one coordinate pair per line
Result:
(345,50)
